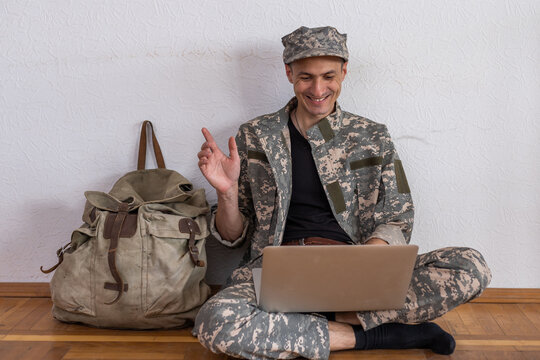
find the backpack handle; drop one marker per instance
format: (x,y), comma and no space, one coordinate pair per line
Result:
(141,162)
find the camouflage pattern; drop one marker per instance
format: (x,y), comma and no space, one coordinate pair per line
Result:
(308,42)
(350,151)
(442,279)
(231,323)
(358,168)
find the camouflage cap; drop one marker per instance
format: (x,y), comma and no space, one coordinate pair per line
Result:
(307,42)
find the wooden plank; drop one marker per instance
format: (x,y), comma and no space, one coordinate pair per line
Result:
(413,354)
(40,306)
(487,342)
(35,351)
(533,337)
(443,324)
(197,351)
(490,295)
(48,323)
(502,355)
(461,355)
(478,319)
(13,350)
(455,324)
(57,351)
(511,319)
(12,316)
(532,312)
(24,289)
(9,306)
(513,296)
(99,338)
(481,348)
(31,351)
(469,320)
(482,331)
(147,351)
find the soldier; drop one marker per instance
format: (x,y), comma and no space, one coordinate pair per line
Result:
(312,173)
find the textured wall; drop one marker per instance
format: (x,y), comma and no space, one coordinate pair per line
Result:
(457,83)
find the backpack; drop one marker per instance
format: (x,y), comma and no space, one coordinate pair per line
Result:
(139,259)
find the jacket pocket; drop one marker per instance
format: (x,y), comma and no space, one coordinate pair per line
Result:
(257,155)
(171,282)
(362,163)
(367,174)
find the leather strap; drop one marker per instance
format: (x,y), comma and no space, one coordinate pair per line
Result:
(111,257)
(187,225)
(141,162)
(60,254)
(314,240)
(114,286)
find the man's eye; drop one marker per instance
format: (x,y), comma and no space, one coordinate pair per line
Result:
(329,77)
(304,78)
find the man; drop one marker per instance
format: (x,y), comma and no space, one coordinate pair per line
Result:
(312,173)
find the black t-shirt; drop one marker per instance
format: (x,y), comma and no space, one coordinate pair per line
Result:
(310,213)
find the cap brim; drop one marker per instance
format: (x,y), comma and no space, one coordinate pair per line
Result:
(314,53)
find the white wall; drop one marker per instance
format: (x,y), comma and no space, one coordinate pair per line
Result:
(457,82)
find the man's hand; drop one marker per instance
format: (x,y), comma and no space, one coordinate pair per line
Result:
(376,241)
(220,170)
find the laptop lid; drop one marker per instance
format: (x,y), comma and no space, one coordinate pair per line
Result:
(334,278)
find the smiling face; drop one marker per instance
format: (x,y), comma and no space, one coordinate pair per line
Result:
(317,84)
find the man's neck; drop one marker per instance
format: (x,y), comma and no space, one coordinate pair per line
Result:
(305,121)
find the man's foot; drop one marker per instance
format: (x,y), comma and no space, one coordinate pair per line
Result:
(403,336)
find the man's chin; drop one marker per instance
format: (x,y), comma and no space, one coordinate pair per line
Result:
(318,112)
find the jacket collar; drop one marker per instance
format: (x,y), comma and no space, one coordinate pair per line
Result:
(319,134)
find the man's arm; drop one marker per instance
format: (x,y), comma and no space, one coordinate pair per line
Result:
(222,172)
(394,211)
(229,219)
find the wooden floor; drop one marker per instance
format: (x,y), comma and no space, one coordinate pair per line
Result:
(483,330)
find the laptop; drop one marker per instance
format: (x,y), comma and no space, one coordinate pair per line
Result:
(330,278)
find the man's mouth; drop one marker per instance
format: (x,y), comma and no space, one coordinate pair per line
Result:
(317,99)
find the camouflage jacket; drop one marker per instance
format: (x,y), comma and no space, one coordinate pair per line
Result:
(358,166)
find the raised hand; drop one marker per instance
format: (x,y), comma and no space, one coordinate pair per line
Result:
(220,170)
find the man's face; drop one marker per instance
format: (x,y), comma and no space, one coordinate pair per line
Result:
(317,84)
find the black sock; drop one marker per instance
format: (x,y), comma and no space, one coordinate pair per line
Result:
(360,336)
(403,336)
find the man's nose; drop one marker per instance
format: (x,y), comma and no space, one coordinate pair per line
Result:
(317,87)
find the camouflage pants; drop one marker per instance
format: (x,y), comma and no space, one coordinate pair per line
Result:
(231,323)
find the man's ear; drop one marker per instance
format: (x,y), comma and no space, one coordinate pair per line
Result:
(288,71)
(344,70)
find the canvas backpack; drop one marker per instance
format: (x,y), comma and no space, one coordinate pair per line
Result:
(139,259)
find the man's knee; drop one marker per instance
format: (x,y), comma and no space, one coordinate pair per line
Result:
(220,321)
(477,274)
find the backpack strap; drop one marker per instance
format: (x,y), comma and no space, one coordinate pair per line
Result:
(60,254)
(187,225)
(141,162)
(111,257)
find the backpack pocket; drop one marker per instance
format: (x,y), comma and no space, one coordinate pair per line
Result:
(171,282)
(72,284)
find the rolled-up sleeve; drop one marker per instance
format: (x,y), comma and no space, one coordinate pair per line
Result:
(237,242)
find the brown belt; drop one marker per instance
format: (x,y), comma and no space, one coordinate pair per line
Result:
(314,240)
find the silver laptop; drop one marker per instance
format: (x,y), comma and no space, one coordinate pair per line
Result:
(334,277)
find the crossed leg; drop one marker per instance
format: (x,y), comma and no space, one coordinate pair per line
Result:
(231,323)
